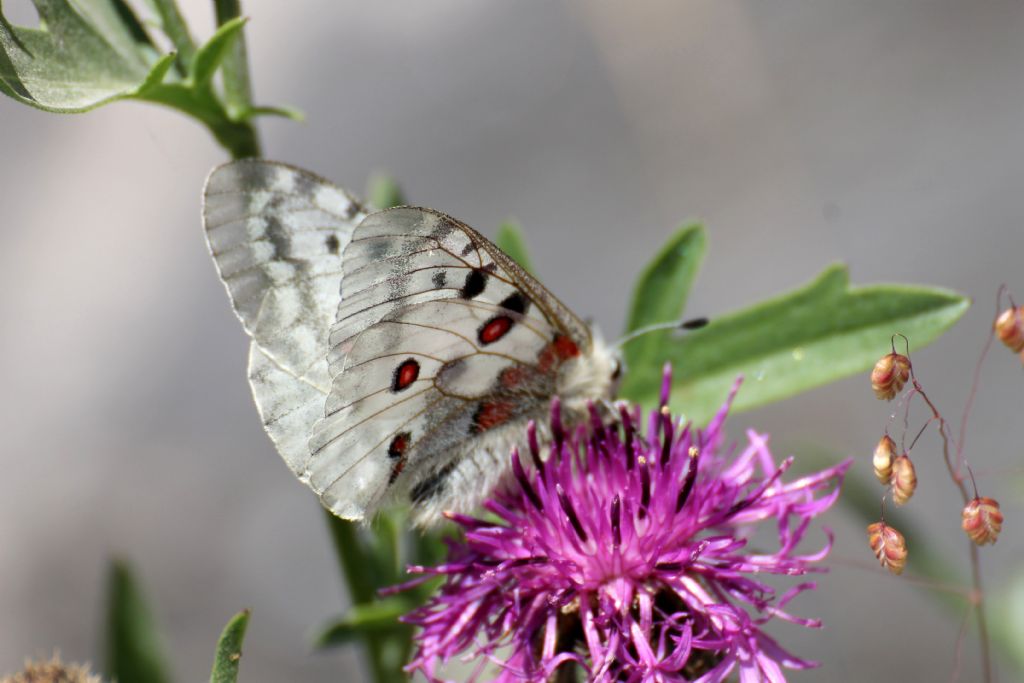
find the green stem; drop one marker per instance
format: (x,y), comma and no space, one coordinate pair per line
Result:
(362,572)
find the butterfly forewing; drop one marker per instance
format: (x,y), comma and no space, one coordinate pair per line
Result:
(440,339)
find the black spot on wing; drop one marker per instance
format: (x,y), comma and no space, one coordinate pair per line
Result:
(516,302)
(333,244)
(433,485)
(440,279)
(476,282)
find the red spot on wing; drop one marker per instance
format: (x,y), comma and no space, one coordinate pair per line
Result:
(513,376)
(396,451)
(398,445)
(565,348)
(405,374)
(490,414)
(560,349)
(494,329)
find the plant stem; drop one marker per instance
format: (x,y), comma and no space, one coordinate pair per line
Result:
(361,577)
(978,596)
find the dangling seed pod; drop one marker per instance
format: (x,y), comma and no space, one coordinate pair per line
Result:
(1010,328)
(889,547)
(904,479)
(885,453)
(982,520)
(889,375)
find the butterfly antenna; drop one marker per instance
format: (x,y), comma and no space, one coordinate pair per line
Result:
(691,324)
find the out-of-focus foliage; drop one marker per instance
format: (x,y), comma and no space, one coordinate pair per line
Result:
(91,52)
(134,651)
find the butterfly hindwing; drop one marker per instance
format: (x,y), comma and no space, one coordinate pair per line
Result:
(277,235)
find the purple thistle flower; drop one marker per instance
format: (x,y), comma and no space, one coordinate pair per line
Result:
(625,553)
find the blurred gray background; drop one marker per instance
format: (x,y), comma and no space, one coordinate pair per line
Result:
(886,135)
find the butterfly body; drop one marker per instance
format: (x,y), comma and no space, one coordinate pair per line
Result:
(395,355)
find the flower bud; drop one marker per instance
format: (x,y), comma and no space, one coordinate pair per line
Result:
(885,453)
(904,479)
(982,520)
(1010,328)
(889,375)
(889,546)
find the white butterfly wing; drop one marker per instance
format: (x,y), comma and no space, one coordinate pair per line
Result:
(277,234)
(441,340)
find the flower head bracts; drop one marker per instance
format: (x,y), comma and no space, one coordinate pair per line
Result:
(626,553)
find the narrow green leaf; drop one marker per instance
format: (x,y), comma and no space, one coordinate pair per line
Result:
(284,112)
(210,56)
(133,649)
(235,73)
(511,241)
(157,74)
(661,291)
(809,337)
(383,192)
(372,620)
(229,650)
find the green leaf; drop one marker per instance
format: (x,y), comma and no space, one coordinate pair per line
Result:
(371,620)
(133,645)
(210,56)
(803,339)
(661,291)
(229,650)
(511,241)
(77,60)
(383,192)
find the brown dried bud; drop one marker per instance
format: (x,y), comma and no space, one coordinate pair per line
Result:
(889,375)
(904,479)
(889,546)
(982,520)
(53,671)
(885,453)
(1010,328)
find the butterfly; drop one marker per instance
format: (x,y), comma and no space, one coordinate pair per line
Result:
(397,354)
